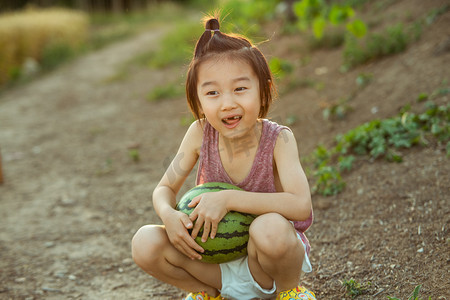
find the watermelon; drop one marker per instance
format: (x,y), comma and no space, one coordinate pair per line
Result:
(232,235)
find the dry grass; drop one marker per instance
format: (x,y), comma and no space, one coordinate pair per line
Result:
(25,35)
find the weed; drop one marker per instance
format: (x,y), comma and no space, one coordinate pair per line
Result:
(187,120)
(422,97)
(332,37)
(363,79)
(336,110)
(318,16)
(108,28)
(390,41)
(414,296)
(245,16)
(134,154)
(176,47)
(280,67)
(328,181)
(55,54)
(171,90)
(291,120)
(379,139)
(355,288)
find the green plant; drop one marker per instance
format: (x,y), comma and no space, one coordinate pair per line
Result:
(318,15)
(414,296)
(336,110)
(245,17)
(328,181)
(363,79)
(55,54)
(171,90)
(355,288)
(280,67)
(177,46)
(392,40)
(378,139)
(107,28)
(134,154)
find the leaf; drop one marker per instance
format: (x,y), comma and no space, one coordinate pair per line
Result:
(415,293)
(358,28)
(339,14)
(346,162)
(318,25)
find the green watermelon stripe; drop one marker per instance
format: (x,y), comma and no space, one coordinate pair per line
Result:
(227,235)
(224,251)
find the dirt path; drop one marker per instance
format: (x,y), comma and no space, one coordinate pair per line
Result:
(70,183)
(73,196)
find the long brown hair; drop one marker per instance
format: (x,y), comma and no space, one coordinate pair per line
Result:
(215,43)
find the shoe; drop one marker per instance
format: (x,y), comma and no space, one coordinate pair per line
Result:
(202,296)
(297,293)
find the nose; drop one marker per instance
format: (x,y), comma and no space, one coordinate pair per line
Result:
(228,102)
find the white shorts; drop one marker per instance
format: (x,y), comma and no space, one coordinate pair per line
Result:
(238,282)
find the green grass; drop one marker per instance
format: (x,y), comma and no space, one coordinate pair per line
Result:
(177,46)
(376,45)
(107,28)
(169,91)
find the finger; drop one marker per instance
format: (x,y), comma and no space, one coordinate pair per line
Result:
(195,247)
(193,215)
(206,230)
(194,201)
(214,227)
(187,222)
(188,251)
(197,226)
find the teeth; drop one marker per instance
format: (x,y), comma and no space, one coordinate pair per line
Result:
(230,119)
(233,118)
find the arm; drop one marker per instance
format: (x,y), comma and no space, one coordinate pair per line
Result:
(164,195)
(293,201)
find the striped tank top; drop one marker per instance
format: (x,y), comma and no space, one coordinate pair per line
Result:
(261,176)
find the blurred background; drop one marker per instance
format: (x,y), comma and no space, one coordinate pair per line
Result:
(87,5)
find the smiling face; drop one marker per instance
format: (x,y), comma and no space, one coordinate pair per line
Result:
(229,95)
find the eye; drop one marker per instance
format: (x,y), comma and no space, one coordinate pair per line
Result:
(240,89)
(212,93)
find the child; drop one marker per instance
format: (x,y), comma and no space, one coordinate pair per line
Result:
(229,90)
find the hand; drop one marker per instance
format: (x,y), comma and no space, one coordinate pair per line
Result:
(177,225)
(210,208)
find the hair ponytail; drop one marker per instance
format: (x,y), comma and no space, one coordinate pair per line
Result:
(211,25)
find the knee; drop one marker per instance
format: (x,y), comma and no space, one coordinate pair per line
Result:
(147,245)
(272,235)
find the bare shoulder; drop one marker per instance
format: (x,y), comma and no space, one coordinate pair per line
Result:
(194,136)
(286,143)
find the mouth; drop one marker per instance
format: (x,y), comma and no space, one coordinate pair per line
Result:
(231,121)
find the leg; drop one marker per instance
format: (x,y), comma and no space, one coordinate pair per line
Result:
(153,252)
(274,252)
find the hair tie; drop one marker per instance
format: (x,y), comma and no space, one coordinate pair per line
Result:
(215,30)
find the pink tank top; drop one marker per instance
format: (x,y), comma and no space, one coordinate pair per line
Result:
(260,178)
